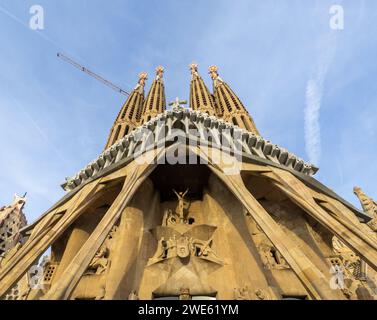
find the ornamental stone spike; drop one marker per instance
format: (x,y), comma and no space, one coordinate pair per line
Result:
(159,72)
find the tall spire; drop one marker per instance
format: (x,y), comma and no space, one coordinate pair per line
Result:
(129,115)
(200,97)
(230,106)
(155,102)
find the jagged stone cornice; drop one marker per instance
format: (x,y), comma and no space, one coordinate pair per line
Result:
(186,119)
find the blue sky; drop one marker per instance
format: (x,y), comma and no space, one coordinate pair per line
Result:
(55,119)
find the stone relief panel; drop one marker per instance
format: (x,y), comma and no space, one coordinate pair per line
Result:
(100,261)
(187,249)
(92,285)
(195,241)
(350,273)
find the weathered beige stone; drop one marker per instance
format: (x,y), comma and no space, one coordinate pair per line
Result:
(131,230)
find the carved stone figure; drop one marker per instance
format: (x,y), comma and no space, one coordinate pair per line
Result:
(161,252)
(196,241)
(261,294)
(271,258)
(183,247)
(348,260)
(346,254)
(184,294)
(241,293)
(170,218)
(183,205)
(100,260)
(352,270)
(133,296)
(202,248)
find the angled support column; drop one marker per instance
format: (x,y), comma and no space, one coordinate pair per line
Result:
(62,288)
(340,211)
(362,243)
(45,236)
(311,277)
(51,218)
(128,240)
(251,271)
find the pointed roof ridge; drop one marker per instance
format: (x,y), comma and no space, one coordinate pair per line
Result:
(257,146)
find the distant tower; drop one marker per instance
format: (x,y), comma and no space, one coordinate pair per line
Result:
(12,219)
(129,116)
(200,97)
(155,102)
(230,106)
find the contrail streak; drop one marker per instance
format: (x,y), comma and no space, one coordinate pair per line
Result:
(313,99)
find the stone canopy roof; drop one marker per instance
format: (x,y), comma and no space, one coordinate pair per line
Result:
(254,148)
(223,135)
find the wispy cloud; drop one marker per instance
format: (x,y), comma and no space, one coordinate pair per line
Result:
(313,95)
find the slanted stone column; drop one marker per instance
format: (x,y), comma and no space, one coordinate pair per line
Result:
(360,242)
(119,283)
(224,210)
(77,238)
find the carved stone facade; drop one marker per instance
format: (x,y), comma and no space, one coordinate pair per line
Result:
(354,280)
(130,229)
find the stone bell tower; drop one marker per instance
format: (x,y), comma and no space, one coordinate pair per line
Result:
(155,103)
(129,116)
(195,204)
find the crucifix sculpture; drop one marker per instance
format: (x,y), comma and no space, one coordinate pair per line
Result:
(183,205)
(176,104)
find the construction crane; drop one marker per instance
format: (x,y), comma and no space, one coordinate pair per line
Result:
(92,74)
